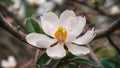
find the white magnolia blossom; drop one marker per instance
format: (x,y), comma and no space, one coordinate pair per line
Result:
(10,63)
(64,31)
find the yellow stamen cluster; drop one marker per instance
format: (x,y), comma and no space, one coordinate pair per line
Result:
(61,34)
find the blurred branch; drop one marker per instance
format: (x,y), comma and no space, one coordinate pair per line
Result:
(8,46)
(37,55)
(113,44)
(115,3)
(92,55)
(13,30)
(56,64)
(107,30)
(16,33)
(95,8)
(2,8)
(26,65)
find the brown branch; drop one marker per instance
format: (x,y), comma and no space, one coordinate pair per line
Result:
(113,44)
(4,10)
(27,65)
(95,8)
(13,30)
(37,55)
(56,64)
(107,30)
(93,56)
(115,3)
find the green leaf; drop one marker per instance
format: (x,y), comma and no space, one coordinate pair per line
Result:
(85,60)
(32,26)
(73,66)
(70,56)
(110,63)
(43,60)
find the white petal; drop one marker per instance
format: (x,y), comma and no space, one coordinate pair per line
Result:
(12,61)
(5,64)
(65,15)
(70,24)
(56,52)
(39,40)
(48,28)
(71,36)
(86,38)
(75,25)
(81,24)
(78,50)
(45,42)
(51,18)
(83,19)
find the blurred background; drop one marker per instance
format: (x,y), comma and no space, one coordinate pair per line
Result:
(99,14)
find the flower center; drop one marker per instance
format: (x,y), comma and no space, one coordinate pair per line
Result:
(61,34)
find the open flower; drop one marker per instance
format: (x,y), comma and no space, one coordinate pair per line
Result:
(64,32)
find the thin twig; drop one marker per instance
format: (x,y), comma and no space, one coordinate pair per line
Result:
(37,55)
(107,30)
(2,8)
(97,9)
(115,3)
(93,57)
(56,64)
(113,44)
(26,65)
(13,30)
